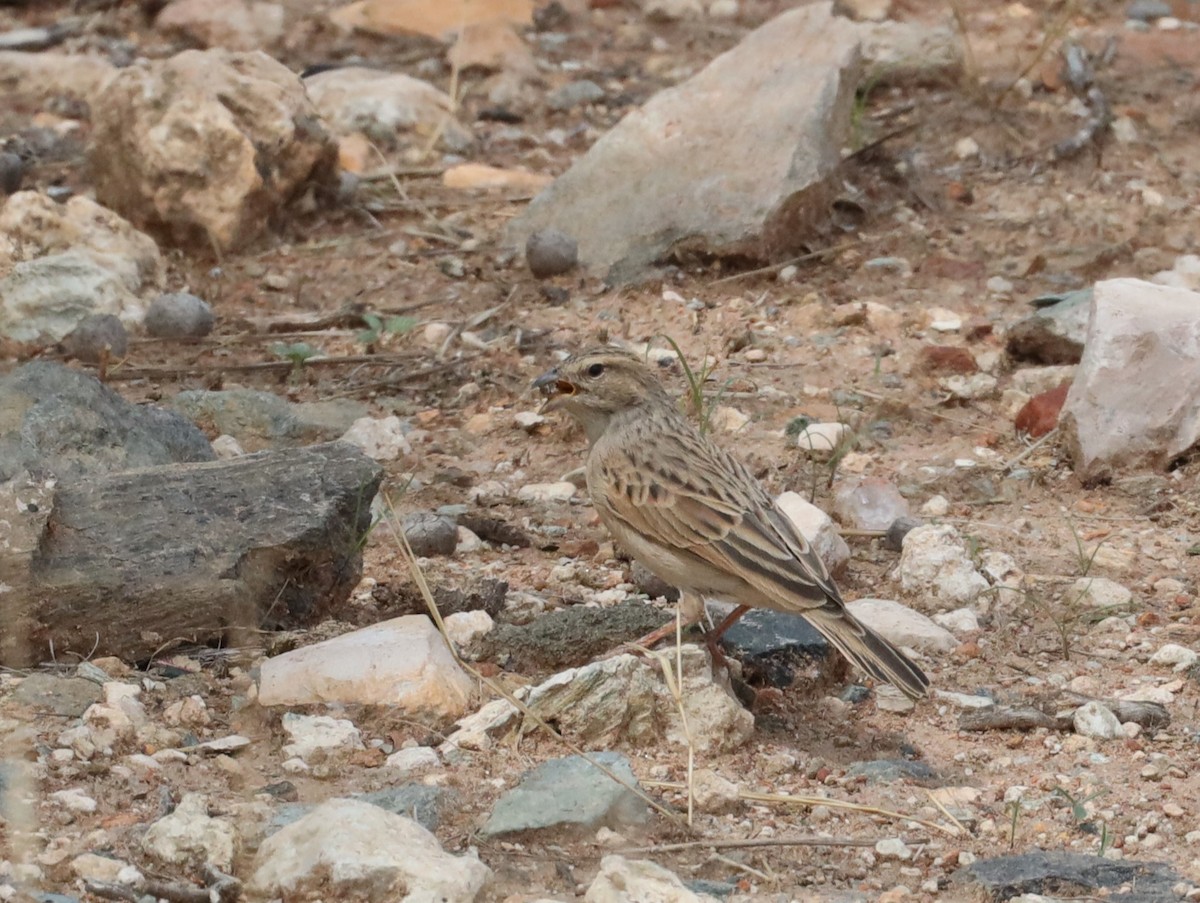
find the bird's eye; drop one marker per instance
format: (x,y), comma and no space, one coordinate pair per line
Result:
(595,370)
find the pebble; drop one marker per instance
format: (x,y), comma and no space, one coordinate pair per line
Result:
(1096,720)
(819,440)
(574,94)
(430,534)
(436,334)
(551,252)
(179,315)
(959,622)
(468,542)
(1148,10)
(561,491)
(74,799)
(937,506)
(868,503)
(893,848)
(528,420)
(11,172)
(965,148)
(382,439)
(227,447)
(1178,657)
(943,320)
(889,699)
(464,627)
(95,337)
(310,733)
(418,758)
(714,793)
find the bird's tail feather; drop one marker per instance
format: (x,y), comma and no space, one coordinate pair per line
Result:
(867,649)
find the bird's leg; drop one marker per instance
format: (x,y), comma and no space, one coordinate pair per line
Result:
(691,613)
(713,637)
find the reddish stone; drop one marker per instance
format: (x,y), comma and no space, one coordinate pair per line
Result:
(947,359)
(977,328)
(957,191)
(1040,414)
(939,266)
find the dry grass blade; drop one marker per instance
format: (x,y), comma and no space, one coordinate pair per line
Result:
(946,812)
(427,595)
(768,842)
(793,800)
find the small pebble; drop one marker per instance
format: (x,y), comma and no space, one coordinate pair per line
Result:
(893,848)
(430,534)
(95,337)
(550,252)
(11,171)
(899,528)
(179,315)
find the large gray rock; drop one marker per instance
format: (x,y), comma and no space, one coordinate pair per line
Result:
(1135,401)
(207,146)
(1055,333)
(732,161)
(569,797)
(1070,874)
(58,421)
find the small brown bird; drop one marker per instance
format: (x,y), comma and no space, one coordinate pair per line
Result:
(695,516)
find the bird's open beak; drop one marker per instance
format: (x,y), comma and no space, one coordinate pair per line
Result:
(554,389)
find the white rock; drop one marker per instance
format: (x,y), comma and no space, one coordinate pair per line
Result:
(1000,568)
(960,622)
(403,662)
(91,867)
(889,699)
(528,420)
(970,387)
(547,492)
(892,848)
(819,440)
(818,528)
(1036,380)
(190,835)
(624,880)
(231,24)
(671,10)
(964,700)
(418,758)
(463,627)
(436,334)
(725,419)
(1172,654)
(942,320)
(1095,720)
(1098,592)
(381,439)
(934,557)
(73,799)
(189,712)
(1135,400)
(227,447)
(936,506)
(348,849)
(965,148)
(468,542)
(310,734)
(714,793)
(902,626)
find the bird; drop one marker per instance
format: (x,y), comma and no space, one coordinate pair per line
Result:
(695,516)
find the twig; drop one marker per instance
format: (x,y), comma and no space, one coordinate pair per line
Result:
(803,258)
(767,842)
(946,812)
(1017,459)
(364,360)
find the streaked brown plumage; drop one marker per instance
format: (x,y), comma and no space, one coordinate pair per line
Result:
(694,515)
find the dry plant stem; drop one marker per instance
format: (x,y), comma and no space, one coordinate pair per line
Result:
(803,258)
(1025,453)
(767,842)
(427,595)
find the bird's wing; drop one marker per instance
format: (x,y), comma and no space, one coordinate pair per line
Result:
(677,489)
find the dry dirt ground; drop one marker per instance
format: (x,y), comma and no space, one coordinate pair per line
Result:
(1123,208)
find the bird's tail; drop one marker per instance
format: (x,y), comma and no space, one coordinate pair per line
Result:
(867,649)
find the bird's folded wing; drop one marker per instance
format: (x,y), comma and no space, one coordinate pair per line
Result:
(713,509)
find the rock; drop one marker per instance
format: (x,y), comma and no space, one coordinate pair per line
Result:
(12,172)
(753,135)
(129,562)
(422,803)
(892,848)
(547,492)
(960,622)
(39,77)
(868,503)
(390,108)
(773,646)
(569,797)
(67,697)
(1041,413)
(935,558)
(417,758)
(892,771)
(574,94)
(651,584)
(903,626)
(1055,334)
(898,531)
(430,534)
(189,836)
(1096,720)
(262,420)
(889,699)
(864,10)
(1181,658)
(714,793)
(403,663)
(1135,400)
(947,359)
(91,867)
(910,52)
(464,627)
(1073,874)
(178,315)
(1148,10)
(313,734)
(54,420)
(550,252)
(817,527)
(624,880)
(350,848)
(95,338)
(380,438)
(207,146)
(478,177)
(1099,593)
(725,419)
(1037,380)
(74,800)
(228,24)
(821,440)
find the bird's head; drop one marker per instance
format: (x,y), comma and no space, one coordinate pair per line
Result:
(595,385)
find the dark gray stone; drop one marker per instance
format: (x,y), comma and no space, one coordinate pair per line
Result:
(886,771)
(62,422)
(430,534)
(1055,334)
(569,796)
(65,696)
(1072,874)
(574,94)
(97,337)
(897,530)
(1148,10)
(260,420)
(651,584)
(12,170)
(551,252)
(772,646)
(179,315)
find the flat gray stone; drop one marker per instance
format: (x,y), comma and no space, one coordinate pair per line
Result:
(65,696)
(1072,874)
(731,162)
(569,796)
